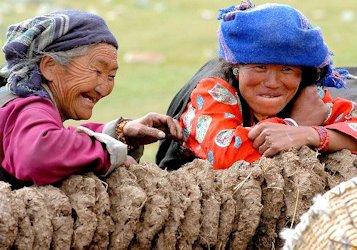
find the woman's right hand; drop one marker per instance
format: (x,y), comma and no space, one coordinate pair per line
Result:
(309,109)
(151,128)
(271,138)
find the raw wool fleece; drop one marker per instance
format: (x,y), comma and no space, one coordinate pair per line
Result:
(195,207)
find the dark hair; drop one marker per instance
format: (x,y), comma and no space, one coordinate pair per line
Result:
(311,76)
(2,81)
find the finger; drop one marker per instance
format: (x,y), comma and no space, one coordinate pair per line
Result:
(271,148)
(150,119)
(269,152)
(311,89)
(152,132)
(259,141)
(175,129)
(264,146)
(168,125)
(156,119)
(254,132)
(258,135)
(257,130)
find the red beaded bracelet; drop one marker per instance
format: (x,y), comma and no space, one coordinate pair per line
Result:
(324,139)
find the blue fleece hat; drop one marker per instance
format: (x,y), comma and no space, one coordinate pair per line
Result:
(274,34)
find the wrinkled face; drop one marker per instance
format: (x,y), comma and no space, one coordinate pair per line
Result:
(268,88)
(80,84)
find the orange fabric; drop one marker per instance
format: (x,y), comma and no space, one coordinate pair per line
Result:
(214,128)
(342,115)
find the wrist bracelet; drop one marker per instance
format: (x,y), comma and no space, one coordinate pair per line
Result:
(119,132)
(324,139)
(290,122)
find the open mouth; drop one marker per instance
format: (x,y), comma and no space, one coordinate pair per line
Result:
(90,99)
(269,96)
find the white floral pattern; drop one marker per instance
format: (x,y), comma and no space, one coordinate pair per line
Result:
(221,94)
(200,102)
(203,123)
(229,115)
(210,157)
(187,120)
(238,142)
(224,137)
(329,112)
(353,126)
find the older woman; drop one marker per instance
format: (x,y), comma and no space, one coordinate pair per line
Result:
(261,96)
(58,67)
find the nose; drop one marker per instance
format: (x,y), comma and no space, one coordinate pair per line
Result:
(272,79)
(104,87)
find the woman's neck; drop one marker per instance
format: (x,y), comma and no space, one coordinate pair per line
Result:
(260,117)
(45,86)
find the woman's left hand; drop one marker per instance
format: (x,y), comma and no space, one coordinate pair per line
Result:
(272,138)
(308,108)
(151,128)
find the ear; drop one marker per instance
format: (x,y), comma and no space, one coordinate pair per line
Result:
(48,68)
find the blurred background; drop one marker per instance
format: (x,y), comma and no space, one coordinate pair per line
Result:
(163,43)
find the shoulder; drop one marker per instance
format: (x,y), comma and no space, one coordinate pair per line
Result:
(34,105)
(30,103)
(327,97)
(215,81)
(349,92)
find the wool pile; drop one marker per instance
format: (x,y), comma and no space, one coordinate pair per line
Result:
(194,207)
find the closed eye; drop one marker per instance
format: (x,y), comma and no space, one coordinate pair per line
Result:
(260,67)
(291,69)
(287,69)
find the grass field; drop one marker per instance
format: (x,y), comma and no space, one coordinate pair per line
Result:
(183,33)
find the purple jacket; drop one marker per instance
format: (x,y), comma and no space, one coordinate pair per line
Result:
(36,147)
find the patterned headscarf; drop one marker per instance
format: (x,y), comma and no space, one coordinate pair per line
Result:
(275,34)
(57,31)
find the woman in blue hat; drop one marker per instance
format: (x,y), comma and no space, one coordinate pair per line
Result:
(58,66)
(263,95)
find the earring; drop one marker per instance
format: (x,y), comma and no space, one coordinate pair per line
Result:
(235,71)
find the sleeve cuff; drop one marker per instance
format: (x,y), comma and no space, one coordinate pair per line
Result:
(109,128)
(117,150)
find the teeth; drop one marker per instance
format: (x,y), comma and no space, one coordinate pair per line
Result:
(90,99)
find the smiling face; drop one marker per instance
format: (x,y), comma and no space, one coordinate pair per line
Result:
(80,84)
(268,88)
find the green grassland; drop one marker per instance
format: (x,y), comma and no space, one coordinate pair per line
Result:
(184,33)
